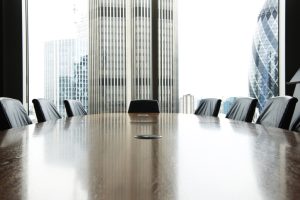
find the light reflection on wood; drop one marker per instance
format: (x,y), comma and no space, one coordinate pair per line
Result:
(97,157)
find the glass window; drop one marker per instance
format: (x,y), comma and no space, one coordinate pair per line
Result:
(58,51)
(215,41)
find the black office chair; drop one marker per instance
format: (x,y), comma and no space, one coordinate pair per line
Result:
(278,112)
(295,122)
(45,110)
(143,106)
(12,114)
(209,107)
(74,108)
(243,109)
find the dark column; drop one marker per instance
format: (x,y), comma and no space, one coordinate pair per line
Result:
(292,53)
(1,46)
(155,49)
(11,49)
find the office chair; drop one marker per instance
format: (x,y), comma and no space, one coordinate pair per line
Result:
(243,109)
(45,110)
(278,112)
(295,125)
(143,106)
(74,108)
(295,122)
(12,114)
(209,107)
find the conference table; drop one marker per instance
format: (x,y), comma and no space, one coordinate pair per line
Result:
(112,156)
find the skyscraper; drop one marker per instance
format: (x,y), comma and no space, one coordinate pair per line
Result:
(66,72)
(187,104)
(58,71)
(168,66)
(264,72)
(81,82)
(117,72)
(107,71)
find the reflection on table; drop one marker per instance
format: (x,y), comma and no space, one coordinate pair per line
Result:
(97,157)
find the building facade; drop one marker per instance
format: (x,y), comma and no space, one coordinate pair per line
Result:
(187,104)
(66,72)
(119,73)
(264,80)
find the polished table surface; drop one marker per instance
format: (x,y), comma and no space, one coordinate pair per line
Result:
(98,157)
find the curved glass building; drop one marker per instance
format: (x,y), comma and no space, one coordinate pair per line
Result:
(264,71)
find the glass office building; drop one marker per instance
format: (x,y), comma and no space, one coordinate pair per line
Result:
(121,55)
(187,104)
(107,84)
(264,81)
(66,72)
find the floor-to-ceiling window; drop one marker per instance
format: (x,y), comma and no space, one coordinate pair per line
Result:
(216,44)
(100,52)
(58,51)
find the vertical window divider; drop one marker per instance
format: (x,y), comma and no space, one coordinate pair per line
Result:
(155,61)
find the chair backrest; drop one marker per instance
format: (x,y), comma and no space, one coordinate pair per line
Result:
(74,108)
(45,110)
(278,112)
(143,106)
(209,107)
(295,122)
(12,114)
(243,109)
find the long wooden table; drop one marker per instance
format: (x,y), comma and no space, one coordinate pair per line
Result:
(98,157)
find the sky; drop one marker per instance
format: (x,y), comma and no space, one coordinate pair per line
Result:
(215,46)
